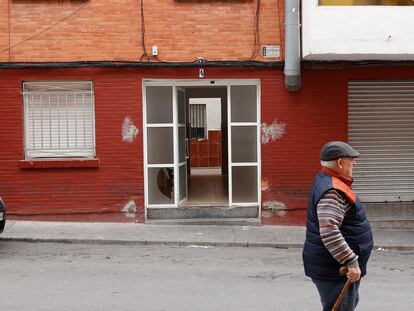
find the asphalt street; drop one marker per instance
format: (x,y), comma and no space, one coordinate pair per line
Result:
(62,276)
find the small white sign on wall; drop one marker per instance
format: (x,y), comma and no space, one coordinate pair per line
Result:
(271,51)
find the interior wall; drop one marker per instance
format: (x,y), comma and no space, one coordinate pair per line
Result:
(206,153)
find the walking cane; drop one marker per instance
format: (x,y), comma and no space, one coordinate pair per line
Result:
(342,271)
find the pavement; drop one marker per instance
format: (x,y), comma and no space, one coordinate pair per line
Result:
(181,235)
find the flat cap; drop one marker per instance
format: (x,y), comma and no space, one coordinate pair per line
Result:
(337,149)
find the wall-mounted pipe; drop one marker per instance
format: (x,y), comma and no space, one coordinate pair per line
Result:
(292,45)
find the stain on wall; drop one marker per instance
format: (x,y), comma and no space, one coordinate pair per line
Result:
(129,130)
(129,209)
(273,131)
(274,207)
(265,185)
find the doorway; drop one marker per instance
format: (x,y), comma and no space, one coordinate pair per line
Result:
(201,143)
(207,125)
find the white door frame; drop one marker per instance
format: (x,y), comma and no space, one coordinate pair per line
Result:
(177,163)
(175,83)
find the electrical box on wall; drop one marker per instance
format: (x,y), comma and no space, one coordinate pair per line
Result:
(154,50)
(272,51)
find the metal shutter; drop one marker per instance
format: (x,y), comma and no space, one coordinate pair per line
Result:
(381,127)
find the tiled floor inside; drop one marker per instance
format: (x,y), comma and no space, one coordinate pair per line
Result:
(207,187)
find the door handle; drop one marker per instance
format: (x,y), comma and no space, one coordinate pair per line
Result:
(187,154)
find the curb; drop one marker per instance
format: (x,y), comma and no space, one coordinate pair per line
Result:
(183,243)
(142,242)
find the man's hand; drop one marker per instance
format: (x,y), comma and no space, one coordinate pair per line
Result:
(354,274)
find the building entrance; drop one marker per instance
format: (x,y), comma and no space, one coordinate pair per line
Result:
(201,143)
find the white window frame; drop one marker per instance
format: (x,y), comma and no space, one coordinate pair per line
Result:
(59,119)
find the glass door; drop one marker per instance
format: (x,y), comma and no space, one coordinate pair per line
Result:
(166,145)
(243,144)
(159,141)
(182,146)
(165,141)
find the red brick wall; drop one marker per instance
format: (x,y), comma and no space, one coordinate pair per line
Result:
(4,30)
(183,30)
(314,115)
(206,152)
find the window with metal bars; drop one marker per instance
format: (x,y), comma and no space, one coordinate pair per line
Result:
(198,121)
(59,119)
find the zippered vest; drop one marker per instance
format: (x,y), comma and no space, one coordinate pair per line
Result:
(318,262)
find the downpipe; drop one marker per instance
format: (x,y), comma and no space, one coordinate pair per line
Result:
(292,72)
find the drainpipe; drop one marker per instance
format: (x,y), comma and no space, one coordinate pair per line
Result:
(292,46)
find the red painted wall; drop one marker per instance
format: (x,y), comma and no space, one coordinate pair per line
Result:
(105,189)
(314,115)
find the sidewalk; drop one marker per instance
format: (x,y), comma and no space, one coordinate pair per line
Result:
(181,235)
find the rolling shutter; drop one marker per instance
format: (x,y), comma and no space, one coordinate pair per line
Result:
(381,127)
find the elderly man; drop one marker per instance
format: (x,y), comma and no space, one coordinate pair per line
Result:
(337,230)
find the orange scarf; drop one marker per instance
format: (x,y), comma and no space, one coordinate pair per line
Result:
(341,183)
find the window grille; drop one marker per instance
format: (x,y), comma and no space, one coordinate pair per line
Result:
(59,119)
(198,121)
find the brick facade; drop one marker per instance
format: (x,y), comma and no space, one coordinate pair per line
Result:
(49,31)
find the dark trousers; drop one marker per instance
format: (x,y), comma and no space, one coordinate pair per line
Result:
(329,292)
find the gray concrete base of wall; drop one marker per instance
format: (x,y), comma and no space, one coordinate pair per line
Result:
(240,215)
(390,215)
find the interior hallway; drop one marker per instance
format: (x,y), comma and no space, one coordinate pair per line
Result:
(207,187)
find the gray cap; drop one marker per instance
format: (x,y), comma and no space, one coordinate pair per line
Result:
(337,149)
